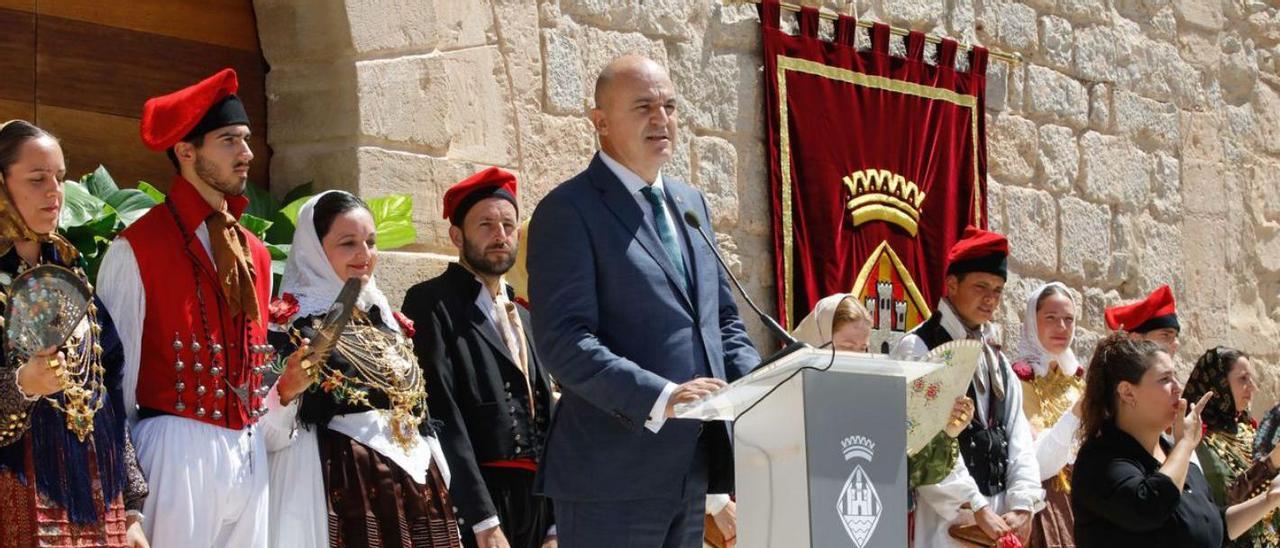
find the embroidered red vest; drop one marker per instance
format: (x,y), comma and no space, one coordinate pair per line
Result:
(197,362)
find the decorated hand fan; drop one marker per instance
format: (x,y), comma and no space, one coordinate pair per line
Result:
(334,322)
(46,304)
(331,327)
(931,396)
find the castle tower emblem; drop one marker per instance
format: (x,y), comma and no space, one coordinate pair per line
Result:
(859,505)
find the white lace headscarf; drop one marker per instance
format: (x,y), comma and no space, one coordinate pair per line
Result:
(815,328)
(310,278)
(1031,352)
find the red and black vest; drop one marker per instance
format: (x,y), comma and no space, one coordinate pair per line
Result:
(197,360)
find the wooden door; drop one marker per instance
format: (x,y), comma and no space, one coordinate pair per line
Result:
(82,69)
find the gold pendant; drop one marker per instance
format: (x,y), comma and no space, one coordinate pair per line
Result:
(404,428)
(79,415)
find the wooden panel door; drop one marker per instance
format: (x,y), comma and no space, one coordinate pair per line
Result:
(82,69)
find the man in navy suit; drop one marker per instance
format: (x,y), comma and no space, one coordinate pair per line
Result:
(632,315)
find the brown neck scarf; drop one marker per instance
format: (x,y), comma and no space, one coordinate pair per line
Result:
(231,258)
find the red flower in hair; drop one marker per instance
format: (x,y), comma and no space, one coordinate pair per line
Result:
(1023,371)
(282,309)
(406,325)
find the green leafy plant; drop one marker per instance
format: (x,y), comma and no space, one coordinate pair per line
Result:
(95,210)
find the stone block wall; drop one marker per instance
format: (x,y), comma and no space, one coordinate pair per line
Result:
(1137,144)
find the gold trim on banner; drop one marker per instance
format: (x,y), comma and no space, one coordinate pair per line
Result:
(806,66)
(907,281)
(977,185)
(784,153)
(877,82)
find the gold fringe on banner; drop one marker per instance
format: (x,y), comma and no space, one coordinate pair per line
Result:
(1011,58)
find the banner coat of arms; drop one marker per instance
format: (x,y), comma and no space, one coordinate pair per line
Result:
(877,162)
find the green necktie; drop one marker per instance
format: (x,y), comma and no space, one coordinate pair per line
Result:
(654,196)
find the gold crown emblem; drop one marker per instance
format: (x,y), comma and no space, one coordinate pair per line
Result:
(882,195)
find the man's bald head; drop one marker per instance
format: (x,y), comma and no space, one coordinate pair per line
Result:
(626,67)
(635,114)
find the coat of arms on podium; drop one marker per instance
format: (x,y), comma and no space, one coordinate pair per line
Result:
(859,505)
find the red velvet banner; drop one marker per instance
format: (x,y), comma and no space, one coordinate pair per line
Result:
(877,163)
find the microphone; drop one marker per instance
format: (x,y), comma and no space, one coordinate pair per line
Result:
(691,219)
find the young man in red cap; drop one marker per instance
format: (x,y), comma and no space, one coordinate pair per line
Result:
(997,481)
(486,383)
(1154,318)
(188,289)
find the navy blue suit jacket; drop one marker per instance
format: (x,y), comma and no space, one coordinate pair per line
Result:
(613,326)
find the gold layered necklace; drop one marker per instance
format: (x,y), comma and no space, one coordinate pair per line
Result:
(1056,393)
(380,361)
(81,378)
(1235,450)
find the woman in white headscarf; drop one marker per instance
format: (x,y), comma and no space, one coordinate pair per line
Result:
(1052,383)
(352,457)
(836,320)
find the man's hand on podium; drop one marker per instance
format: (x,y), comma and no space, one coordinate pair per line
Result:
(692,391)
(492,538)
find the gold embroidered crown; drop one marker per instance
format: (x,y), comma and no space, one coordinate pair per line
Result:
(881,195)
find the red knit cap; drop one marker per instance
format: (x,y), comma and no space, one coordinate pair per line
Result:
(203,107)
(489,183)
(979,250)
(1157,311)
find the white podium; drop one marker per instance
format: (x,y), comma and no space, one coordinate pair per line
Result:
(821,439)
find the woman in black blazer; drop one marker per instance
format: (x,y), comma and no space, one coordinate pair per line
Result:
(1133,486)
